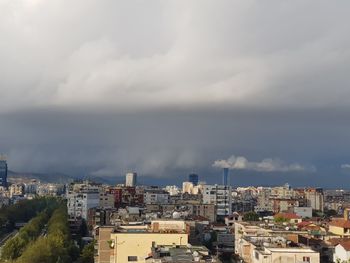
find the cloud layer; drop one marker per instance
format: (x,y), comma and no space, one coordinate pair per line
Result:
(131,55)
(97,87)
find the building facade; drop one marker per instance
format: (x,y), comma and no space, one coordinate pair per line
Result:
(219,195)
(131,179)
(315,198)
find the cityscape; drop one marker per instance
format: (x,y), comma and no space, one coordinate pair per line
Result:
(169,131)
(192,222)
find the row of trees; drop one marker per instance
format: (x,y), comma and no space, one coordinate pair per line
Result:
(14,247)
(56,246)
(23,211)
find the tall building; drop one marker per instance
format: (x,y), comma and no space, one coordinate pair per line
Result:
(193,178)
(315,198)
(3,173)
(219,195)
(225,176)
(131,179)
(80,198)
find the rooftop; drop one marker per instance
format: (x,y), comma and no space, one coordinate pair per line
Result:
(179,254)
(276,243)
(340,223)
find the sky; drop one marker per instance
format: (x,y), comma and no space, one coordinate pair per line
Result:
(166,88)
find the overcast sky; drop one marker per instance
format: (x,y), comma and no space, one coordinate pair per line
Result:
(165,88)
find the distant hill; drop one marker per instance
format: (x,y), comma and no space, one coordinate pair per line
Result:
(111,180)
(43,177)
(61,178)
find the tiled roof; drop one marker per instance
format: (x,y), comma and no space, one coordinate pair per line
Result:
(304,223)
(345,245)
(340,223)
(336,241)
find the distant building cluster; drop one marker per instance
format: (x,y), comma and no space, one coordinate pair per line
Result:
(201,222)
(15,189)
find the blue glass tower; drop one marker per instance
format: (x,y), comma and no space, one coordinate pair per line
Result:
(3,173)
(225,176)
(193,178)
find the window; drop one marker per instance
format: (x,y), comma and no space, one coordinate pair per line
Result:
(256,255)
(306,259)
(132,258)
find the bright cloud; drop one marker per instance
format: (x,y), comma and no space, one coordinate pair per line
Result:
(266,165)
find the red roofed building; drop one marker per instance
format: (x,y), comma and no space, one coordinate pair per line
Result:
(341,226)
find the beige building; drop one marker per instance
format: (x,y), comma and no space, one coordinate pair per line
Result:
(132,246)
(16,189)
(134,243)
(188,187)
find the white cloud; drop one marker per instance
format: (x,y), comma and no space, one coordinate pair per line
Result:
(266,165)
(345,166)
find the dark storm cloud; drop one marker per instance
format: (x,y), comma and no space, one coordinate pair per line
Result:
(167,87)
(171,143)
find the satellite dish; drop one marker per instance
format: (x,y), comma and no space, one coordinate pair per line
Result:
(176,215)
(207,236)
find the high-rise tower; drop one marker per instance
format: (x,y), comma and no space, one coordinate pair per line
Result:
(131,179)
(193,178)
(225,177)
(3,172)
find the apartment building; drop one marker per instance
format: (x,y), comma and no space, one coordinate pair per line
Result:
(135,243)
(219,195)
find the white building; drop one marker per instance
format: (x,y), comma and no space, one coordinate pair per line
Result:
(172,189)
(342,252)
(219,195)
(79,203)
(303,212)
(254,244)
(80,198)
(131,179)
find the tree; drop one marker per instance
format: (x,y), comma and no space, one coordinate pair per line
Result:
(331,212)
(251,216)
(87,254)
(15,246)
(281,219)
(56,246)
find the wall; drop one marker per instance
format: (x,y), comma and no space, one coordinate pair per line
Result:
(140,244)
